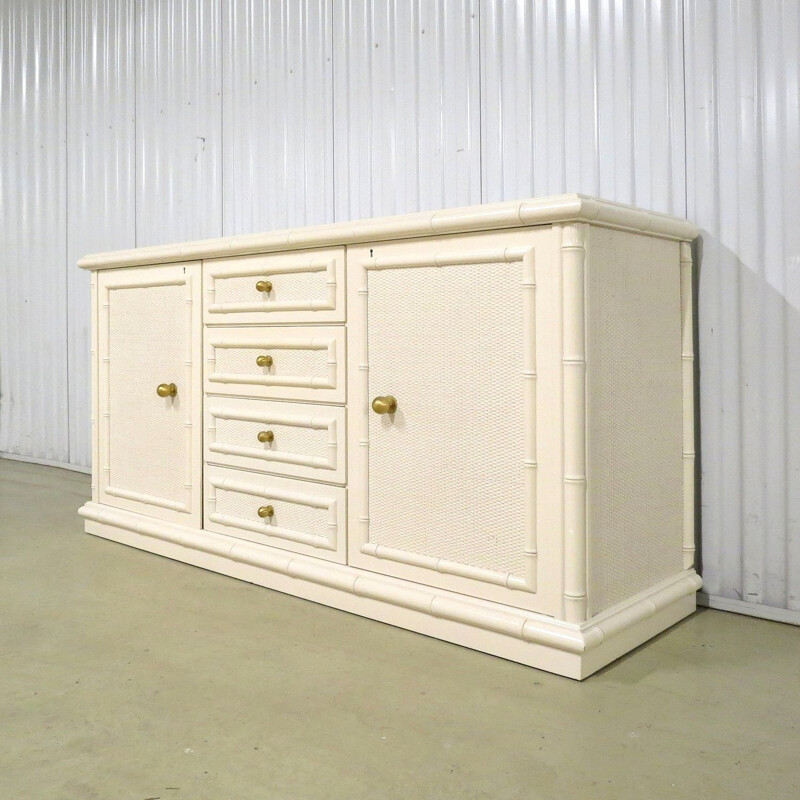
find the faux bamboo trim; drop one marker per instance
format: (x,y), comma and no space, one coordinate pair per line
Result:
(573,256)
(494,617)
(571,208)
(687,362)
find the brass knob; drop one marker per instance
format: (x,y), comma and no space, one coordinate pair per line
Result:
(166,390)
(264,361)
(264,286)
(384,405)
(266,511)
(266,436)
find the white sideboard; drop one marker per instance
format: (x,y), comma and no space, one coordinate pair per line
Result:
(475,423)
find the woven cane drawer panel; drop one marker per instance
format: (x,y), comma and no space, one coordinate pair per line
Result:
(242,361)
(308,440)
(308,517)
(307,362)
(302,286)
(446,474)
(305,286)
(146,434)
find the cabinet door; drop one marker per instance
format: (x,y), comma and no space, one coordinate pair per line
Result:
(150,391)
(443,489)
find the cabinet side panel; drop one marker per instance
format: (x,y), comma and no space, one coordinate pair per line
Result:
(635,414)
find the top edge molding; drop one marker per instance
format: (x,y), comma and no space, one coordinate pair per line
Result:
(490,216)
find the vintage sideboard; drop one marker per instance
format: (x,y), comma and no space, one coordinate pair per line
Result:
(474,423)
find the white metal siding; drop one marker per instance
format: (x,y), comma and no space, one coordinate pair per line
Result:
(34,401)
(583,96)
(406,106)
(128,122)
(743,90)
(100,211)
(277,98)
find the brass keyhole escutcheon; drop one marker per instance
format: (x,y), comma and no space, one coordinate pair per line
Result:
(264,286)
(384,405)
(264,361)
(266,511)
(266,436)
(166,390)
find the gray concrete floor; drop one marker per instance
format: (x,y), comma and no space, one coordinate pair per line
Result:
(125,675)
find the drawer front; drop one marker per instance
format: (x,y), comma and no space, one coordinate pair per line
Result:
(294,439)
(302,286)
(305,517)
(301,363)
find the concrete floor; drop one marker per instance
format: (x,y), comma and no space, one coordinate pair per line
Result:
(125,675)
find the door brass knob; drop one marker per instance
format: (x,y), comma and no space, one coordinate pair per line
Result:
(266,436)
(166,390)
(264,286)
(384,405)
(266,511)
(264,361)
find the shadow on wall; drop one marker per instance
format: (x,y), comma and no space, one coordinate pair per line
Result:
(747,438)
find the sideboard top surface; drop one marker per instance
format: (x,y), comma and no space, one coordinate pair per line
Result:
(492,216)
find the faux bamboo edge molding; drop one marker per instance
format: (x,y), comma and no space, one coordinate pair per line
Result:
(515,623)
(490,216)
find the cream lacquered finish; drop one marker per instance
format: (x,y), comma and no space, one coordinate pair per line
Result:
(149,457)
(297,440)
(497,450)
(307,285)
(308,517)
(306,363)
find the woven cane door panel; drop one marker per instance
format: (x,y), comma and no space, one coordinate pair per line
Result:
(304,286)
(150,444)
(634,387)
(307,363)
(306,517)
(304,441)
(448,477)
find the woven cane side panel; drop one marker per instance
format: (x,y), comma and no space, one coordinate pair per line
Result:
(293,286)
(292,516)
(288,438)
(287,363)
(634,436)
(446,474)
(147,345)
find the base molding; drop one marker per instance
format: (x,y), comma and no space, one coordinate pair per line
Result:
(572,650)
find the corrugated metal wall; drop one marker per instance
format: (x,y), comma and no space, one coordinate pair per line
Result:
(141,121)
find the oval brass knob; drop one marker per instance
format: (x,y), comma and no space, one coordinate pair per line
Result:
(384,405)
(266,436)
(266,511)
(166,390)
(264,361)
(264,286)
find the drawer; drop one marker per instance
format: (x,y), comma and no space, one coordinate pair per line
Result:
(301,363)
(294,439)
(305,517)
(302,286)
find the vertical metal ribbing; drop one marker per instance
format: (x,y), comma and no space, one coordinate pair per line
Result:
(529,400)
(687,360)
(573,256)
